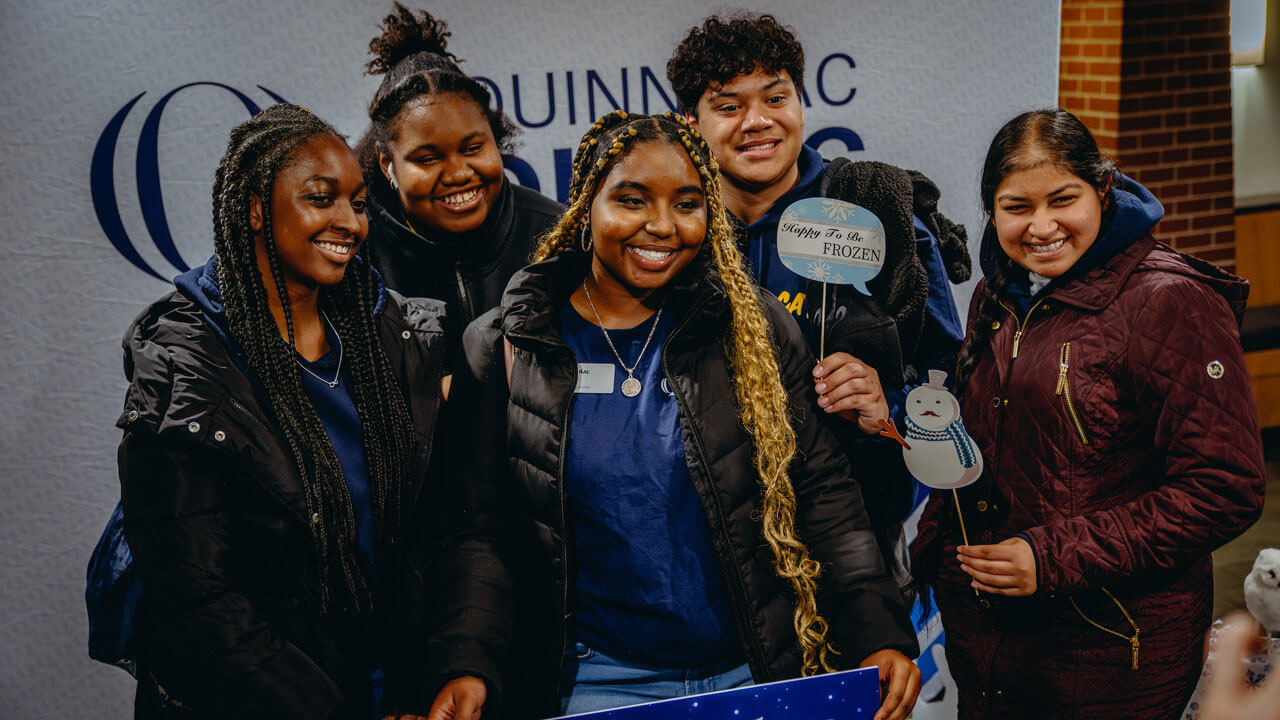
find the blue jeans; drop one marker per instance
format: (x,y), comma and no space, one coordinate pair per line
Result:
(595,681)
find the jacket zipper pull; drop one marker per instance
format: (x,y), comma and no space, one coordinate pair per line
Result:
(1017,339)
(1133,642)
(1062,370)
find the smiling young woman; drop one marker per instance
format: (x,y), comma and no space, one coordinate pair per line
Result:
(641,423)
(277,430)
(445,222)
(1103,379)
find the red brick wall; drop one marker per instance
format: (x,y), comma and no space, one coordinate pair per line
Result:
(1089,66)
(1153,82)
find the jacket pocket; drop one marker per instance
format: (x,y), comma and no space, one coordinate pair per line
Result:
(1133,640)
(1064,390)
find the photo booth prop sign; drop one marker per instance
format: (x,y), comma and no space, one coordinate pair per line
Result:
(848,695)
(831,241)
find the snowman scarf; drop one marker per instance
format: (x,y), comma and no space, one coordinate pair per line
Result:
(955,432)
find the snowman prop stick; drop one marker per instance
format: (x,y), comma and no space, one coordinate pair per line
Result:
(833,242)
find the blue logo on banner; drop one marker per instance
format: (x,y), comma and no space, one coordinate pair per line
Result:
(147,173)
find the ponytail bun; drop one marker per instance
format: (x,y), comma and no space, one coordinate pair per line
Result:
(405,34)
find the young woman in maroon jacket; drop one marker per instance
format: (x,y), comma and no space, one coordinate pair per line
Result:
(1104,381)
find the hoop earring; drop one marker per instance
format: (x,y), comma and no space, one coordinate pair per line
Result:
(584,241)
(391,177)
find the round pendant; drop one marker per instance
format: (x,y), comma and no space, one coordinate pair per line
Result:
(631,387)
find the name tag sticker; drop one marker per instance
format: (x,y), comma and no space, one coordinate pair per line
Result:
(595,378)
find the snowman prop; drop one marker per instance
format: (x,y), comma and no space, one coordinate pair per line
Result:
(937,449)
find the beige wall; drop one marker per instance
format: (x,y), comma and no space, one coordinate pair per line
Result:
(1255,101)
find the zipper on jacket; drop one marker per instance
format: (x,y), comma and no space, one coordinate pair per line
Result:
(1064,389)
(1019,323)
(464,298)
(1134,641)
(749,637)
(564,524)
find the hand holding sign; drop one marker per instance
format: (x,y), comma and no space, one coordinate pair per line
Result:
(831,241)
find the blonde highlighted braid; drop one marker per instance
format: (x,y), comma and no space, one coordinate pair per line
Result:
(762,401)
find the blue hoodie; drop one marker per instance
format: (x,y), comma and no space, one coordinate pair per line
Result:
(1133,212)
(334,405)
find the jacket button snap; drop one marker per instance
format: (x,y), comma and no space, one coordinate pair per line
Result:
(1215,370)
(193,426)
(133,415)
(995,402)
(219,435)
(995,324)
(982,506)
(406,334)
(984,603)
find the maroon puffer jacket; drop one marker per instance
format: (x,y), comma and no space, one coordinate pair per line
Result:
(1120,439)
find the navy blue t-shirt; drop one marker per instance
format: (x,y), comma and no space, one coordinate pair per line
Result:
(337,410)
(648,586)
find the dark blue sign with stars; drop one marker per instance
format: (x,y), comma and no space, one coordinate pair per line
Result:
(848,695)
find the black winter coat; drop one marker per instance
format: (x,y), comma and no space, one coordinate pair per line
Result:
(215,514)
(468,272)
(529,426)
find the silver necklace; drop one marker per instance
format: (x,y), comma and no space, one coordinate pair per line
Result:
(631,387)
(337,374)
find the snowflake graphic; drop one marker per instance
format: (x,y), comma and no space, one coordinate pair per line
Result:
(836,210)
(820,271)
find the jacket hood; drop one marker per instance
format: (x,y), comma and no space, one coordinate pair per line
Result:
(476,252)
(1133,212)
(1233,289)
(200,284)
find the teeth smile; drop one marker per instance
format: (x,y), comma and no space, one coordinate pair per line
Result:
(461,198)
(762,146)
(1048,248)
(654,255)
(336,248)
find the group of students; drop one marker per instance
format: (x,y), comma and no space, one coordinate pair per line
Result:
(418,442)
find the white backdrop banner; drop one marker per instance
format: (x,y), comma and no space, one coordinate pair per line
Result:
(117,111)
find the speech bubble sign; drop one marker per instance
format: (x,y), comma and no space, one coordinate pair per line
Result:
(831,241)
(941,454)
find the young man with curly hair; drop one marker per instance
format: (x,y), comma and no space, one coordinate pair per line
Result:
(738,80)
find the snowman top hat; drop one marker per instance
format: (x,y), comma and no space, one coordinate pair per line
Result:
(937,380)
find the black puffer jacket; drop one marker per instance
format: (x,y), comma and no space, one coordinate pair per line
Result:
(216,517)
(529,426)
(468,272)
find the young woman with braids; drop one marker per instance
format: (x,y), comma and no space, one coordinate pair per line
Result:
(277,428)
(678,520)
(1104,381)
(444,222)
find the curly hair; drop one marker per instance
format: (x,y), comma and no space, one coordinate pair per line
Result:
(721,49)
(1033,138)
(763,404)
(257,151)
(412,56)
